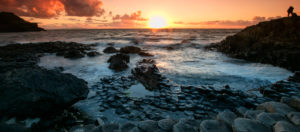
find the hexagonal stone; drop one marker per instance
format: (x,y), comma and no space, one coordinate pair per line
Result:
(269,119)
(276,107)
(251,114)
(294,117)
(110,127)
(227,117)
(148,126)
(135,129)
(283,126)
(183,127)
(247,125)
(191,122)
(127,127)
(241,110)
(214,126)
(295,103)
(166,124)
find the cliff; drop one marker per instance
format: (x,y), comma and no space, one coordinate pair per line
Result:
(275,42)
(9,22)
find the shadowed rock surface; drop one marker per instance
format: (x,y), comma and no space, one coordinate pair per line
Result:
(12,23)
(30,91)
(274,42)
(38,92)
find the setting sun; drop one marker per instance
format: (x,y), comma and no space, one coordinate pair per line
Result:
(157,22)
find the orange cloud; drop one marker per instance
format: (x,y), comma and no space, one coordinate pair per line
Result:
(52,8)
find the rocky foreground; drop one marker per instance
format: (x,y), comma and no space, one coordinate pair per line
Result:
(271,116)
(47,96)
(29,91)
(12,23)
(273,42)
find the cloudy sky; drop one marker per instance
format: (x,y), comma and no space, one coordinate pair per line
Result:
(56,14)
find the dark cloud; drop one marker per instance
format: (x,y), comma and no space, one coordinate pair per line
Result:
(136,16)
(83,7)
(52,8)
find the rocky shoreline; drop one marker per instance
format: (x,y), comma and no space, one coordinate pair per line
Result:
(29,91)
(46,96)
(273,42)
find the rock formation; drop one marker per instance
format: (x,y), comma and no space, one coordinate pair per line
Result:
(9,22)
(273,42)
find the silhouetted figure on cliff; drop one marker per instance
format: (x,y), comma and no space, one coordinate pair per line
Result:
(290,11)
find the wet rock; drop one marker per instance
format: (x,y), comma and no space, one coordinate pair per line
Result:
(93,54)
(13,128)
(227,117)
(73,54)
(38,92)
(77,129)
(241,111)
(295,103)
(110,127)
(136,129)
(247,125)
(110,50)
(276,107)
(269,119)
(148,74)
(251,114)
(166,124)
(148,125)
(145,54)
(119,62)
(285,100)
(294,117)
(295,77)
(130,49)
(127,127)
(283,126)
(183,127)
(214,126)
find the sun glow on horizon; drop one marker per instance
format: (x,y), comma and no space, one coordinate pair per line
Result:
(157,22)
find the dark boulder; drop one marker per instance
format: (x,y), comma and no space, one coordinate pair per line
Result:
(93,54)
(274,42)
(130,49)
(12,23)
(145,54)
(119,62)
(148,74)
(13,128)
(73,54)
(110,50)
(36,92)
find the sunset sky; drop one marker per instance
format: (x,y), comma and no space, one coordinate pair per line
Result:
(56,14)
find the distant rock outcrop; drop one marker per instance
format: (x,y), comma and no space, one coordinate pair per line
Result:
(9,22)
(274,42)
